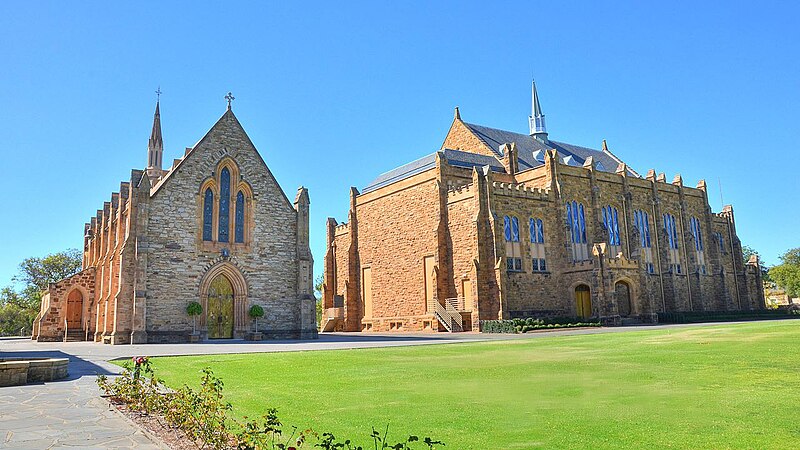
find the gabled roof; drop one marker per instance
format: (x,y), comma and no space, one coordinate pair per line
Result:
(527,146)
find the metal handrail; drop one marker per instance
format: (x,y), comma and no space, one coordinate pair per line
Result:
(447,315)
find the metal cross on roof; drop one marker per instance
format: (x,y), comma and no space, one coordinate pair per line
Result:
(158,93)
(230,98)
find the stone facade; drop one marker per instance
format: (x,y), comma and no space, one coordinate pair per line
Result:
(436,236)
(160,244)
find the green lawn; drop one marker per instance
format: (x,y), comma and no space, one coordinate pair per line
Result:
(726,386)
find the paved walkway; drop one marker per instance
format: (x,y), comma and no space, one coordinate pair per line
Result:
(71,414)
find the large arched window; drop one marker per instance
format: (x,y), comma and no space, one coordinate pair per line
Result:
(225,202)
(672,238)
(536,232)
(224,205)
(208,214)
(239,219)
(611,224)
(642,223)
(697,232)
(513,250)
(576,221)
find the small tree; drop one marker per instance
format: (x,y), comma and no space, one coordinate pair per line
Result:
(255,312)
(194,309)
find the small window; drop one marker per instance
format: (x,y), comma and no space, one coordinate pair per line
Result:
(208,214)
(536,233)
(239,219)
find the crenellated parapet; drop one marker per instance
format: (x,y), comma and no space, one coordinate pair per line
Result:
(519,190)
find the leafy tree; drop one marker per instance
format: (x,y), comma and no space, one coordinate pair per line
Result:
(747,252)
(18,308)
(318,283)
(787,274)
(40,272)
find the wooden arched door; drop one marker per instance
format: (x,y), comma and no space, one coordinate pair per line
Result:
(220,308)
(623,298)
(583,301)
(75,310)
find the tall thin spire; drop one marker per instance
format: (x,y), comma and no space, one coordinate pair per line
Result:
(155,146)
(536,119)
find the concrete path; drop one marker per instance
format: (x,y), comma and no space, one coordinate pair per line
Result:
(71,414)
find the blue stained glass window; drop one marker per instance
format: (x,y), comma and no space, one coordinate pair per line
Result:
(569,222)
(583,224)
(224,205)
(507,228)
(694,224)
(642,222)
(671,229)
(239,219)
(514,229)
(611,223)
(536,231)
(208,214)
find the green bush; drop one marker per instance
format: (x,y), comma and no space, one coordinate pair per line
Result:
(531,324)
(194,309)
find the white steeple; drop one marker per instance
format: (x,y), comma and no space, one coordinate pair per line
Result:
(536,120)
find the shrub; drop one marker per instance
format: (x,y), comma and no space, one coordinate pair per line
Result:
(255,313)
(194,309)
(531,324)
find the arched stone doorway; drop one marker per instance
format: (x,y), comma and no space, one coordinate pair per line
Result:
(220,308)
(623,291)
(223,295)
(75,310)
(583,301)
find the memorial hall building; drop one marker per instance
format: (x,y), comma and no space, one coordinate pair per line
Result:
(499,224)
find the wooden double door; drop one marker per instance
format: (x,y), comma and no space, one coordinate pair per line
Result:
(219,317)
(583,302)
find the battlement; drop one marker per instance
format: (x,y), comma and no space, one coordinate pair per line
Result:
(342,228)
(520,190)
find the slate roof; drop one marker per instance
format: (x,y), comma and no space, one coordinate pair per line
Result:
(527,147)
(453,157)
(530,154)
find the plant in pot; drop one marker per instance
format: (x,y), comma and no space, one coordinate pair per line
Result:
(255,313)
(194,309)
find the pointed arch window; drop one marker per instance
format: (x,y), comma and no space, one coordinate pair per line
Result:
(513,249)
(239,219)
(208,214)
(697,233)
(536,231)
(611,224)
(224,205)
(576,222)
(672,238)
(642,223)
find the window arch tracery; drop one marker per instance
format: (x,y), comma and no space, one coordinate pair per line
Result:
(225,202)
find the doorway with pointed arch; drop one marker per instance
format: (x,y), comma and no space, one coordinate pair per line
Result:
(624,305)
(220,308)
(583,301)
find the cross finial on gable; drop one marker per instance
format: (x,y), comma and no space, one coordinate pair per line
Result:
(230,98)
(158,94)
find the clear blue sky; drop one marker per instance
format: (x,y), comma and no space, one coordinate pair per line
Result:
(334,93)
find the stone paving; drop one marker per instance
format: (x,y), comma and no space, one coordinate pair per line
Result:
(71,414)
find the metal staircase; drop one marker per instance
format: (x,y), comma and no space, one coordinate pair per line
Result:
(449,314)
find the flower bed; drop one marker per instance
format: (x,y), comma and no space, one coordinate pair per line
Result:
(203,416)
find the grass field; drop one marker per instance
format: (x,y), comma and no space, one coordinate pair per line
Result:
(726,386)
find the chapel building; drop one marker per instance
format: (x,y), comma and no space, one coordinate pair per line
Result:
(214,228)
(499,225)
